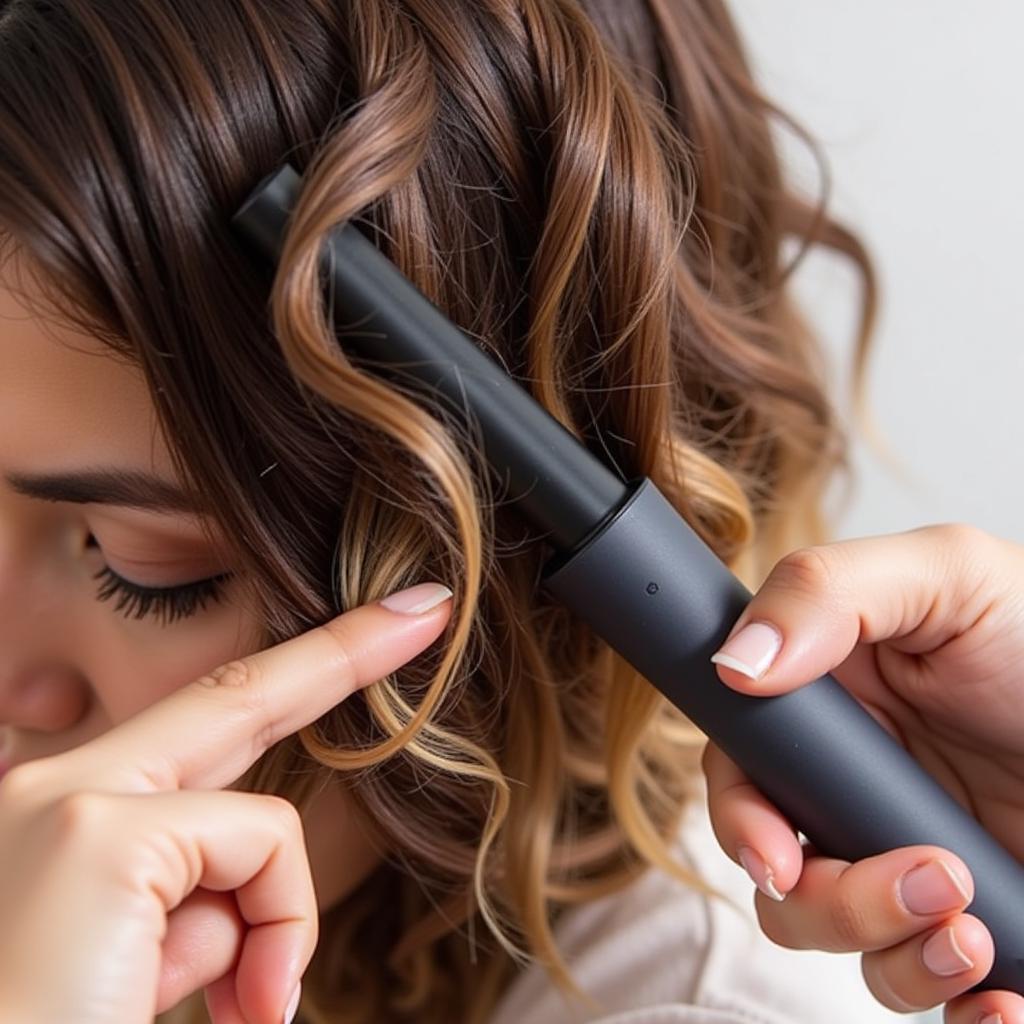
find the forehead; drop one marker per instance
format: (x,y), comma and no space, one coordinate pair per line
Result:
(65,400)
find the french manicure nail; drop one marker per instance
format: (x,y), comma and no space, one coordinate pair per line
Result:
(751,651)
(762,875)
(293,1005)
(417,599)
(932,888)
(943,956)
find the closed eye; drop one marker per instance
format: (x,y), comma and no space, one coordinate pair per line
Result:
(166,604)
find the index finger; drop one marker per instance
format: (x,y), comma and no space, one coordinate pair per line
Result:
(206,734)
(913,590)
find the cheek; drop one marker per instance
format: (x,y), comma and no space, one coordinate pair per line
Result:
(139,662)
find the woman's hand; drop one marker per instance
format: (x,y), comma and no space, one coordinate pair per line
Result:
(926,630)
(114,848)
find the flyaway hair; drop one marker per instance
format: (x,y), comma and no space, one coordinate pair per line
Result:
(590,189)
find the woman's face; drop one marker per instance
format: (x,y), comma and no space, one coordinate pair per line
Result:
(72,665)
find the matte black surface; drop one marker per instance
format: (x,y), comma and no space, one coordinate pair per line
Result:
(660,596)
(373,301)
(630,566)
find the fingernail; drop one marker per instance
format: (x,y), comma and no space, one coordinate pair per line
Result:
(932,888)
(293,1005)
(943,956)
(992,1018)
(762,875)
(751,651)
(418,599)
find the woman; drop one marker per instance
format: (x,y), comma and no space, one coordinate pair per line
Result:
(589,189)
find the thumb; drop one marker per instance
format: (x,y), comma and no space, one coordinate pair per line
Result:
(204,938)
(819,602)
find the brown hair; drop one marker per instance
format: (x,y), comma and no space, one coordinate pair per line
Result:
(589,189)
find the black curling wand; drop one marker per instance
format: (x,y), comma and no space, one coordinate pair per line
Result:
(628,564)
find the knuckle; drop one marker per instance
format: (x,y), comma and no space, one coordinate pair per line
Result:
(806,569)
(966,555)
(284,813)
(876,977)
(342,663)
(242,685)
(775,923)
(23,782)
(965,545)
(848,923)
(80,814)
(959,535)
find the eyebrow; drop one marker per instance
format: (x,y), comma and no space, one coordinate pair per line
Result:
(123,487)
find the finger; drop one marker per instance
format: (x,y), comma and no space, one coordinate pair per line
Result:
(819,602)
(251,844)
(930,969)
(222,1003)
(868,905)
(749,828)
(203,942)
(982,1008)
(206,734)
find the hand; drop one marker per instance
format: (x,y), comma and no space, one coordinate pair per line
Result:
(105,847)
(926,630)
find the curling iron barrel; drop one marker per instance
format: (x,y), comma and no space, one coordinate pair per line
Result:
(628,564)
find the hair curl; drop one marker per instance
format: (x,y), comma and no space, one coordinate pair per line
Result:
(590,190)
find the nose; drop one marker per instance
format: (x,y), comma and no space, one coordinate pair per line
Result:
(41,687)
(44,699)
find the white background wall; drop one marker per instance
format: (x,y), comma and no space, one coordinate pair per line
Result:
(919,105)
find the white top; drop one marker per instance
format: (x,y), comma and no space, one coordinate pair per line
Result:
(659,952)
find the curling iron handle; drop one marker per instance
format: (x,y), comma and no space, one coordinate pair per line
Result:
(650,587)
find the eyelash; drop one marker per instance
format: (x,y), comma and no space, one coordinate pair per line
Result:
(167,604)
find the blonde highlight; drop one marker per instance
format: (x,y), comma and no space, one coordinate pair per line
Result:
(590,190)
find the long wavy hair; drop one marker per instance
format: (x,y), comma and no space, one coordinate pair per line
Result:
(591,190)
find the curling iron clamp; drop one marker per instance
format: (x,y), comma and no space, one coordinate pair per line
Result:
(631,567)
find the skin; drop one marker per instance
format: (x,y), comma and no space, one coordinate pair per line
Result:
(926,629)
(71,666)
(73,669)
